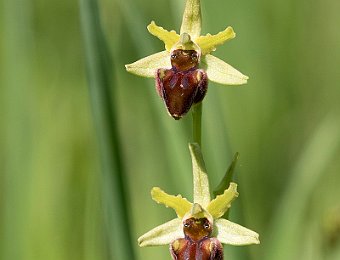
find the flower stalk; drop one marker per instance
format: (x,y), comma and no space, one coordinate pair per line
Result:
(197,124)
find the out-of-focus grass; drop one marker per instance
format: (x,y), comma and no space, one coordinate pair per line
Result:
(284,123)
(101,79)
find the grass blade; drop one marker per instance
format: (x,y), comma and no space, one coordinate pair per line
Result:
(99,71)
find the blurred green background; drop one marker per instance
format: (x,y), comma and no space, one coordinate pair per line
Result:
(284,123)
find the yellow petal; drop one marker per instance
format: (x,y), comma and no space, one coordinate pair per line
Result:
(201,182)
(209,42)
(146,67)
(221,72)
(179,204)
(191,22)
(169,38)
(218,206)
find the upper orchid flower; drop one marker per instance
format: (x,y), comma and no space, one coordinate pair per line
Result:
(198,230)
(183,69)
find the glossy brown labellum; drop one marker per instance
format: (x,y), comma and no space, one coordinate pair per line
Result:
(197,244)
(183,85)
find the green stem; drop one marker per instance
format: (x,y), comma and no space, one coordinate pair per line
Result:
(197,123)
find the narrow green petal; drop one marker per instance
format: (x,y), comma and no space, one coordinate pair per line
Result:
(169,38)
(164,234)
(218,206)
(201,182)
(179,204)
(231,233)
(147,66)
(221,72)
(191,22)
(208,43)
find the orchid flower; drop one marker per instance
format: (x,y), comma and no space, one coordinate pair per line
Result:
(183,69)
(199,227)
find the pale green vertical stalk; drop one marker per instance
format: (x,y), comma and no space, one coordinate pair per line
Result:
(197,124)
(99,71)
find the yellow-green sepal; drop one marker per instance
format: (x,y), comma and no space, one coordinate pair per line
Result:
(221,72)
(231,233)
(192,21)
(201,182)
(164,234)
(147,66)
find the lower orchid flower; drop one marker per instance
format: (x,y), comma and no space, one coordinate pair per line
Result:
(199,229)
